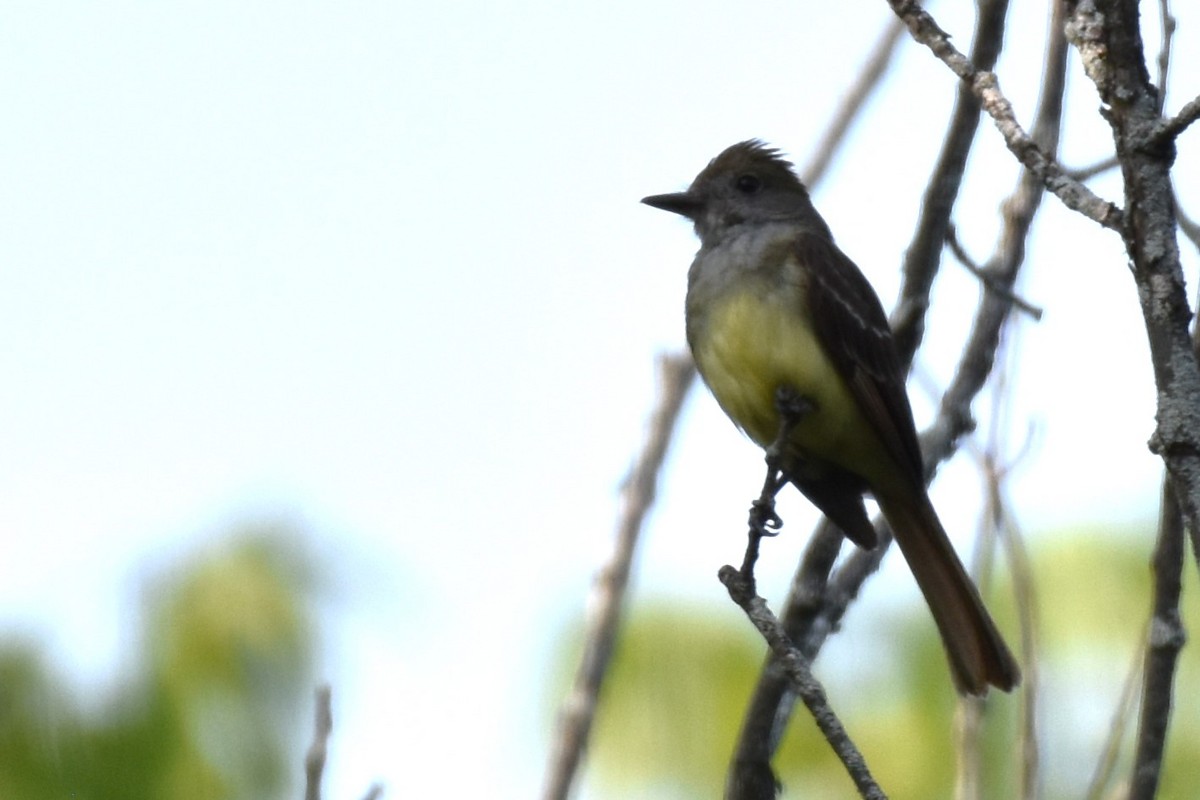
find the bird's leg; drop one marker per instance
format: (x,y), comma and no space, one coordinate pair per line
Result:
(763,520)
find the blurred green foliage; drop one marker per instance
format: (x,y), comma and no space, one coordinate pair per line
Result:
(681,678)
(222,680)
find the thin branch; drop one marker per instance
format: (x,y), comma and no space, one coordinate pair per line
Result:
(1162,651)
(676,374)
(314,760)
(1003,525)
(968,725)
(1099,168)
(923,255)
(852,104)
(1118,726)
(1167,21)
(985,278)
(1189,226)
(771,705)
(985,87)
(1024,591)
(796,667)
(1020,569)
(969,711)
(1019,211)
(1170,129)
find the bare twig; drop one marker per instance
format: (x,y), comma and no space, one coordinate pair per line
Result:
(983,85)
(676,374)
(1171,128)
(770,707)
(954,417)
(1188,226)
(1167,21)
(852,104)
(1002,524)
(1021,571)
(1162,651)
(1018,211)
(1118,727)
(985,277)
(314,760)
(796,667)
(1100,167)
(968,723)
(923,255)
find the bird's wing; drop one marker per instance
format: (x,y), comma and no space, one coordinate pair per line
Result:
(851,326)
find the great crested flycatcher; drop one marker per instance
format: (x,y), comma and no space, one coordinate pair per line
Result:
(773,304)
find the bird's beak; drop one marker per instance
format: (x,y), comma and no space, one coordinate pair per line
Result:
(683,203)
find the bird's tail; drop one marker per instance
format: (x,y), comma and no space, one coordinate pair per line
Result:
(977,653)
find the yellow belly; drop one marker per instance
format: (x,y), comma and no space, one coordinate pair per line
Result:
(751,345)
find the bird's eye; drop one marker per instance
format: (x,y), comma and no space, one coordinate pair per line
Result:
(748,184)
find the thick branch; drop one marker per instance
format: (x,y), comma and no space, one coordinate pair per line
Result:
(924,252)
(1109,42)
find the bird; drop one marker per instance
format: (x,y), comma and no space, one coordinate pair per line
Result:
(774,306)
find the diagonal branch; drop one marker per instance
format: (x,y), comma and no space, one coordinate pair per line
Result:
(1171,128)
(985,278)
(924,253)
(1167,21)
(796,667)
(1118,727)
(986,88)
(855,99)
(954,416)
(579,709)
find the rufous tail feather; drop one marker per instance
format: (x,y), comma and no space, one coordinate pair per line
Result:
(977,652)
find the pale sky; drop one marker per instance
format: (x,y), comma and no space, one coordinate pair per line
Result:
(380,268)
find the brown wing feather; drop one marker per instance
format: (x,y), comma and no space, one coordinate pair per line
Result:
(853,329)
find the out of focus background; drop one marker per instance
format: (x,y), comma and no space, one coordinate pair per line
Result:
(328,331)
